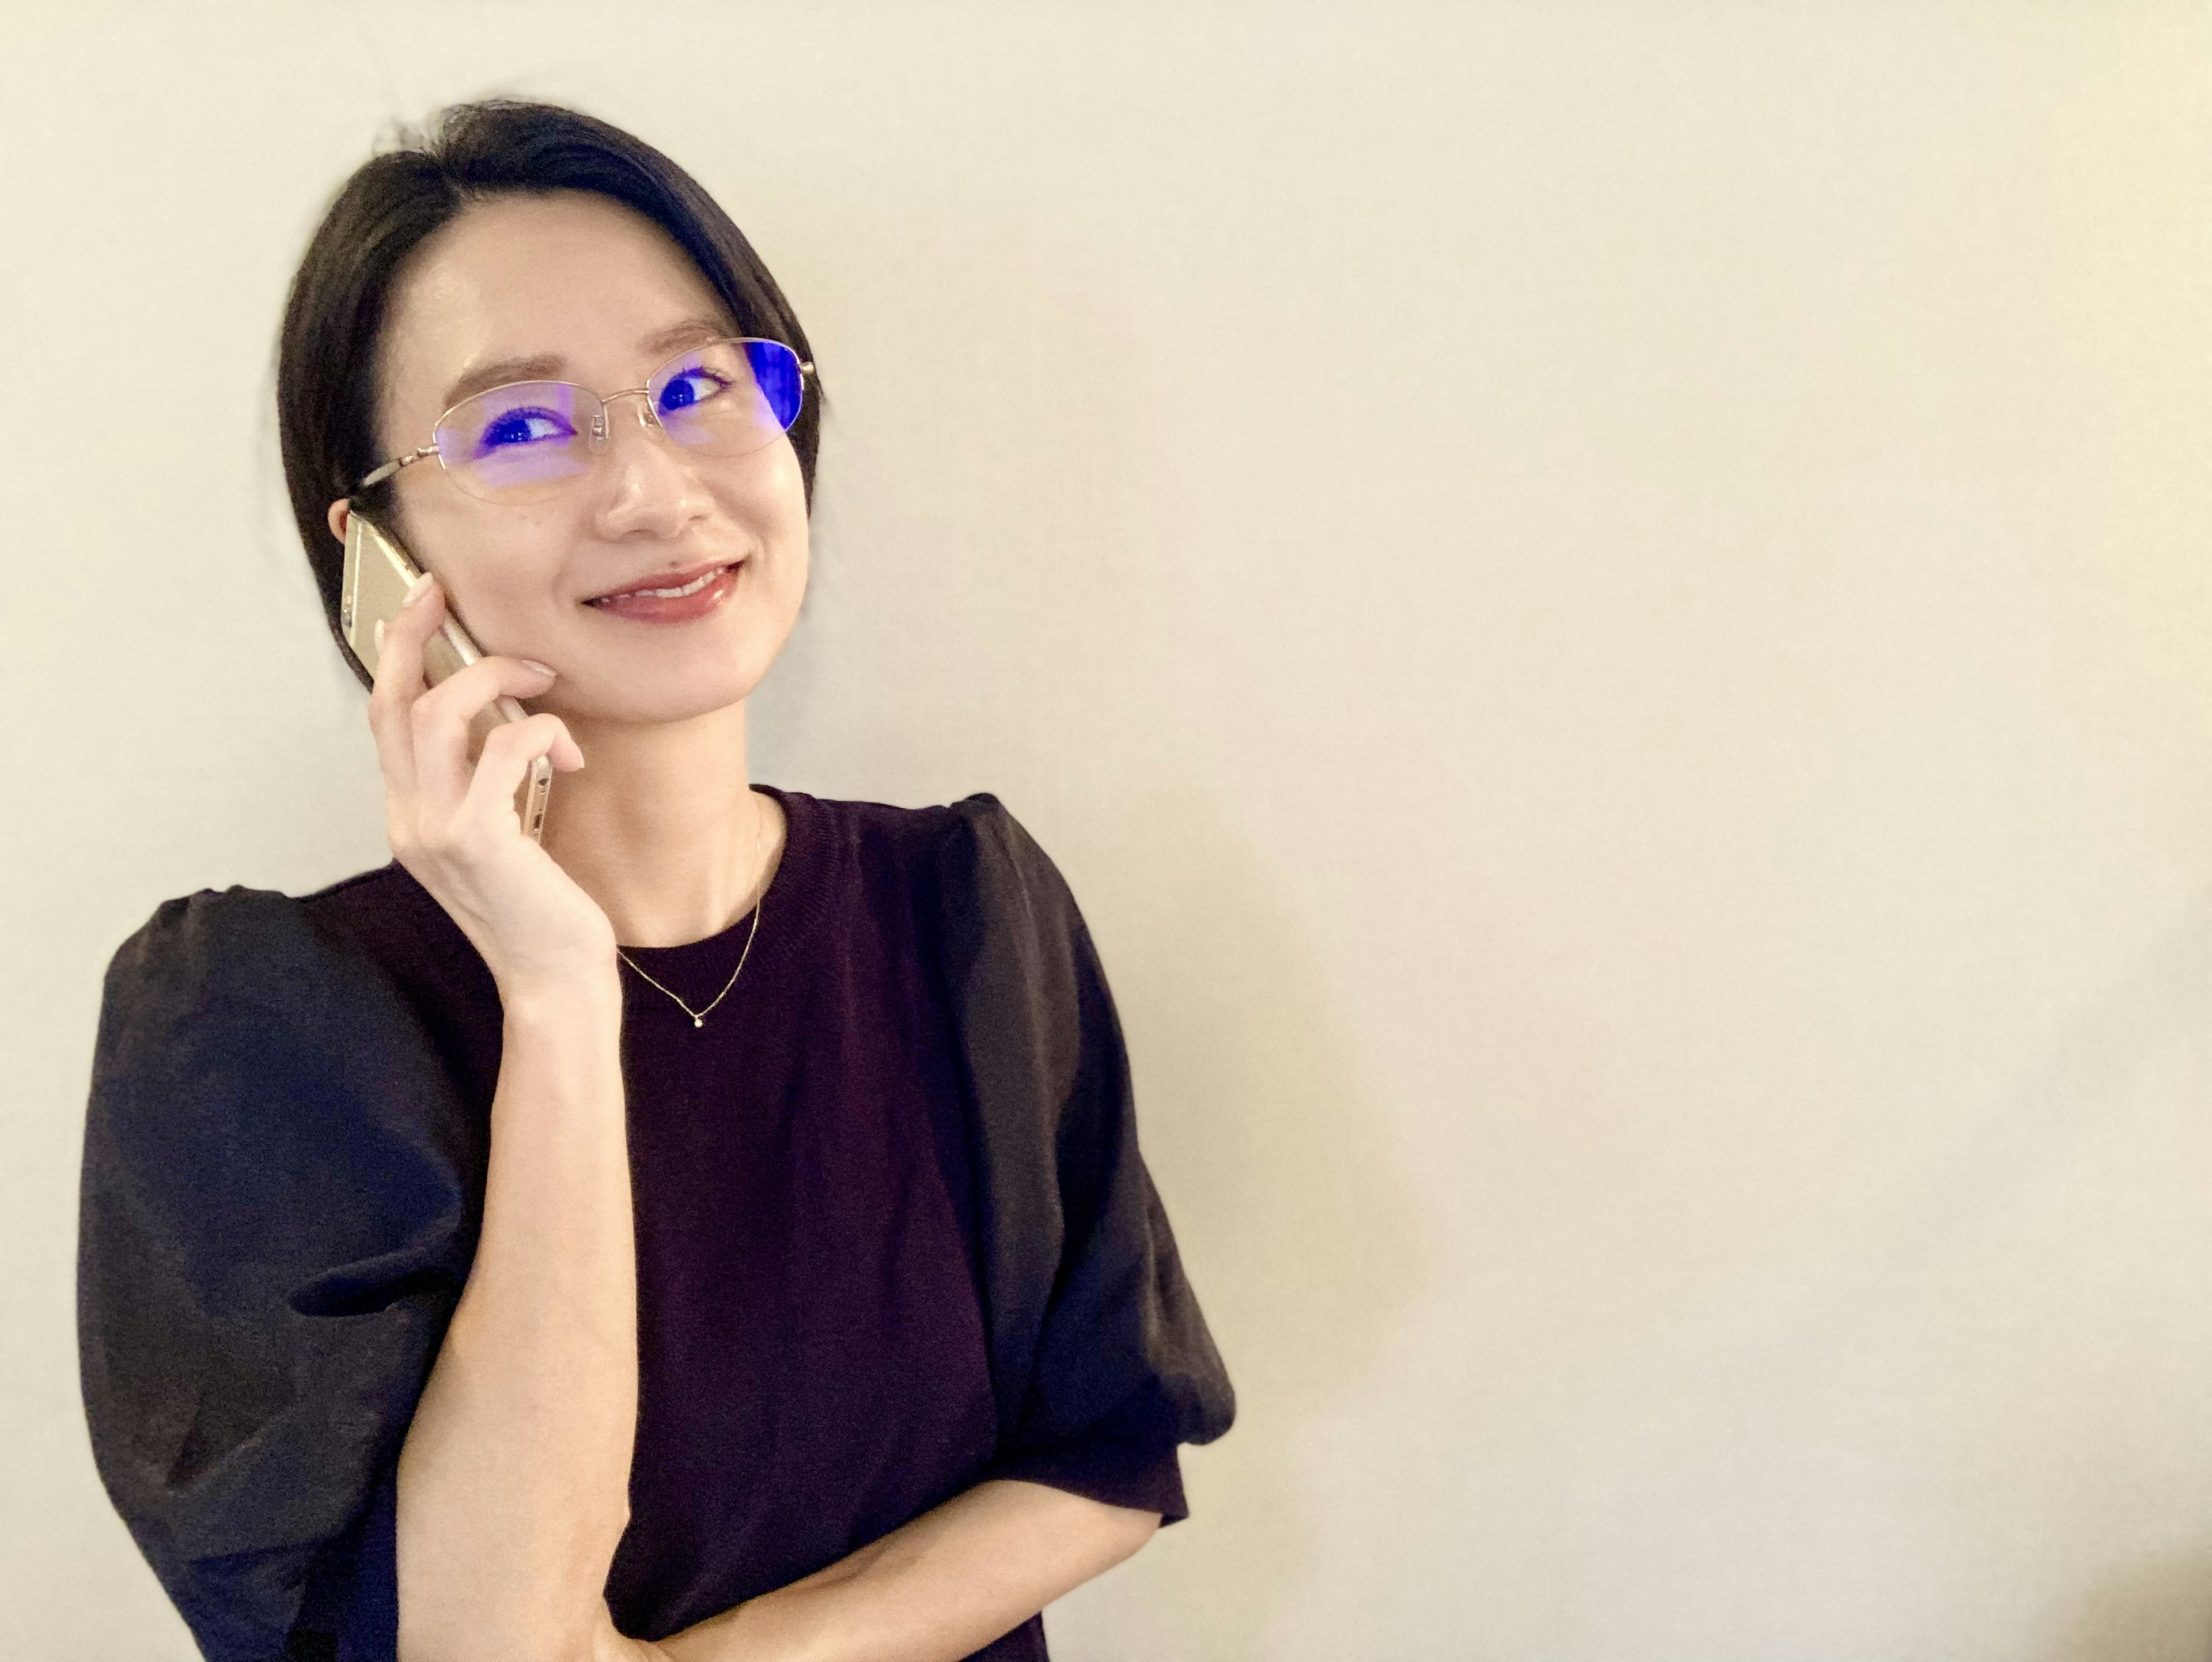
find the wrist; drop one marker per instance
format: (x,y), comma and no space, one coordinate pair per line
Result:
(563,998)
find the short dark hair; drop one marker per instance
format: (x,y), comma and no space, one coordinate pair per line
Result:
(326,368)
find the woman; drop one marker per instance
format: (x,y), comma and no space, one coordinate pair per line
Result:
(717,1232)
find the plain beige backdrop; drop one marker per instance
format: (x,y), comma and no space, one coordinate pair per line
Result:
(1606,606)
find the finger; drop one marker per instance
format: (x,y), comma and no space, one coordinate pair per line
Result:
(565,753)
(398,682)
(508,754)
(439,722)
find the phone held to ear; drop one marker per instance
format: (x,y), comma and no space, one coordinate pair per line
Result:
(377,575)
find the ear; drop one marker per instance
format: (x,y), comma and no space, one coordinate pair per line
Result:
(341,513)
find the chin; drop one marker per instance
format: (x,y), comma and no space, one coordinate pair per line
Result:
(655,700)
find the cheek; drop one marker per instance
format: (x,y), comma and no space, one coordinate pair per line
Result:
(795,558)
(783,579)
(769,501)
(494,566)
(775,483)
(784,576)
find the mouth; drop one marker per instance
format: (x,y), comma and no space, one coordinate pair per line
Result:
(671,586)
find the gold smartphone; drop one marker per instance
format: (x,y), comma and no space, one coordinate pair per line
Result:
(378,573)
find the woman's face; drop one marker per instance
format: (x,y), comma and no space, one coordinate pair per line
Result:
(587,291)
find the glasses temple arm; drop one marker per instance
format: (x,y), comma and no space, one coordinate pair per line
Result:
(395,465)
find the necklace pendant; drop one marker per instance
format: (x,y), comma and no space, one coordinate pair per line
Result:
(698,1021)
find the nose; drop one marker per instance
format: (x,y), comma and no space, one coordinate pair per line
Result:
(652,486)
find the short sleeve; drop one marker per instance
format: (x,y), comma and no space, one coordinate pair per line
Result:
(1101,1360)
(1126,1460)
(275,1225)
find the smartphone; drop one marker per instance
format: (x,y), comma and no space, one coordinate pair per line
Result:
(377,575)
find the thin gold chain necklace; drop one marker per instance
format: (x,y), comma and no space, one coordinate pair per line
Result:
(699,1017)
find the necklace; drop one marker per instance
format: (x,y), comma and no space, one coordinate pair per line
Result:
(699,1017)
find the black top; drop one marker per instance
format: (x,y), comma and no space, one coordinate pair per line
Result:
(893,1233)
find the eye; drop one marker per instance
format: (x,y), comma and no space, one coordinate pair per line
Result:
(513,427)
(689,388)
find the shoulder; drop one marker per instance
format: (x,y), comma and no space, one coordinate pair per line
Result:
(970,856)
(250,1030)
(885,828)
(264,941)
(248,980)
(234,943)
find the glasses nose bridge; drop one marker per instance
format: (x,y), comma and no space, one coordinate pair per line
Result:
(602,423)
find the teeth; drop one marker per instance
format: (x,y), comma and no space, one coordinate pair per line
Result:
(667,593)
(675,594)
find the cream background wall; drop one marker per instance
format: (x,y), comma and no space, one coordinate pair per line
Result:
(1605,605)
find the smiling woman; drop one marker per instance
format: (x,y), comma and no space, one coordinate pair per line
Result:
(446,1294)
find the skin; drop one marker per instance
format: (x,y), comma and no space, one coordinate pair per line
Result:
(660,830)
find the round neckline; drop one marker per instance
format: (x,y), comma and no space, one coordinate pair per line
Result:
(788,909)
(743,921)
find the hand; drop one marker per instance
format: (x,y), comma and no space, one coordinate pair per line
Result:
(453,825)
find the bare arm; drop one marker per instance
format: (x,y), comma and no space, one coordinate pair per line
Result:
(514,1484)
(934,1590)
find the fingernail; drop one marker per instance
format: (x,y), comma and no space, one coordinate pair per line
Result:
(416,589)
(547,668)
(380,633)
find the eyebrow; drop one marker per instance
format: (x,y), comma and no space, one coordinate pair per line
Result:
(548,366)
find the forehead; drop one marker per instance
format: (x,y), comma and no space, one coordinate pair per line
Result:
(572,274)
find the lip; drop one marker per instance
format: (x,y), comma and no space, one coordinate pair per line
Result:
(662,580)
(716,585)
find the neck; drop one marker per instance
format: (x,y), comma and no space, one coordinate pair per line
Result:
(659,828)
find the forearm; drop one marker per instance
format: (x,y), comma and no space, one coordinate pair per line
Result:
(935,1590)
(514,1480)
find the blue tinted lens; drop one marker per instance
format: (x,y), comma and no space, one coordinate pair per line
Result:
(514,441)
(775,372)
(729,397)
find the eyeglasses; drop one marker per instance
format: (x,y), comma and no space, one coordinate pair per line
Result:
(528,440)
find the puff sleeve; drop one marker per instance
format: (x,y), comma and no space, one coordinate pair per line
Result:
(1100,1359)
(275,1225)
